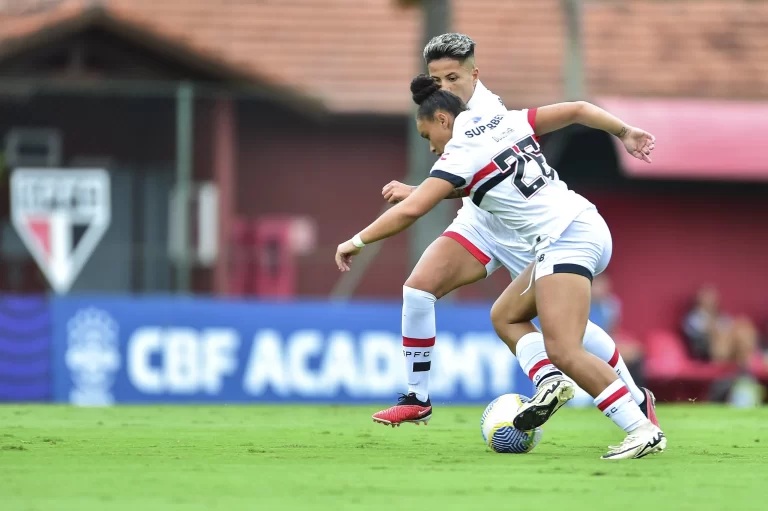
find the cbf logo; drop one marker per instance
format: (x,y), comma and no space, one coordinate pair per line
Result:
(61,215)
(92,357)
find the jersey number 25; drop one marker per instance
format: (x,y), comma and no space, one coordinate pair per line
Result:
(513,162)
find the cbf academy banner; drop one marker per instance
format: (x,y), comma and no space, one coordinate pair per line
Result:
(165,350)
(25,348)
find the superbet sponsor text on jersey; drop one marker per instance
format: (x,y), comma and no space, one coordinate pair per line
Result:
(496,159)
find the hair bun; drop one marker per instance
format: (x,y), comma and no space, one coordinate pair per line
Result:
(422,87)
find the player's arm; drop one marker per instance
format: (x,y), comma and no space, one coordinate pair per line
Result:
(396,219)
(550,118)
(395,192)
(547,119)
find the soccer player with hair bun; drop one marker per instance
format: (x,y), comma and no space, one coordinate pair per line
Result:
(475,245)
(494,159)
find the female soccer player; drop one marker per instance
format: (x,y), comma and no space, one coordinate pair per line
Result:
(475,245)
(495,160)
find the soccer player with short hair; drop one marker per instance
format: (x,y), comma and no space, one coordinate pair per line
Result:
(495,160)
(475,245)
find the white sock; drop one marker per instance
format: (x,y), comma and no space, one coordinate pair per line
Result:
(418,339)
(617,404)
(600,344)
(533,358)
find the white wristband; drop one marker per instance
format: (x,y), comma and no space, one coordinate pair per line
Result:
(356,241)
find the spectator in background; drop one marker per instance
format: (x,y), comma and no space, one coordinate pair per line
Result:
(713,336)
(605,312)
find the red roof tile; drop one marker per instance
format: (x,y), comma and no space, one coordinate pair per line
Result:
(677,48)
(359,56)
(13,26)
(519,47)
(355,56)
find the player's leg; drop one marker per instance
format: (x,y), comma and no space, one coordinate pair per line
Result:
(510,316)
(563,304)
(600,344)
(530,352)
(444,266)
(562,301)
(455,259)
(513,310)
(562,291)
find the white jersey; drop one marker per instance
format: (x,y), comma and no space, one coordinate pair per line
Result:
(495,158)
(483,100)
(486,102)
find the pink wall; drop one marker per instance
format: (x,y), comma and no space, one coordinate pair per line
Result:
(665,247)
(332,172)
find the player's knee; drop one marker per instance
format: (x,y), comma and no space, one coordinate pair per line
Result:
(498,317)
(428,282)
(422,284)
(563,356)
(504,313)
(561,360)
(417,298)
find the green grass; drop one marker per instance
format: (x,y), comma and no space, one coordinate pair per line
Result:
(317,458)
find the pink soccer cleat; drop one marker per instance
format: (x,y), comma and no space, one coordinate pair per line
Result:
(648,407)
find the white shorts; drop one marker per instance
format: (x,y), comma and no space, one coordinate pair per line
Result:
(583,248)
(492,243)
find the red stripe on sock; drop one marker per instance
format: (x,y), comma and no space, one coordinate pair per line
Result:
(623,391)
(538,366)
(614,359)
(410,342)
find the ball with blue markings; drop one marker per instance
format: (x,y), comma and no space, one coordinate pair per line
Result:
(499,433)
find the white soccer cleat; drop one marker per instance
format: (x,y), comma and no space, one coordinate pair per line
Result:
(550,396)
(646,439)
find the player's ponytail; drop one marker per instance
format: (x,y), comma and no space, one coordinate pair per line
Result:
(422,87)
(426,93)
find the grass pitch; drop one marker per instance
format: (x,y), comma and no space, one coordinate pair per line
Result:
(335,458)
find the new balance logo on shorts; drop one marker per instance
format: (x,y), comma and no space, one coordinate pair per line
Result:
(541,258)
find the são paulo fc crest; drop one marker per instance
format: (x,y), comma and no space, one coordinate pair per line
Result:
(61,215)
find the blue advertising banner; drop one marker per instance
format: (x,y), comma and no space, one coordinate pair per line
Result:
(176,350)
(25,348)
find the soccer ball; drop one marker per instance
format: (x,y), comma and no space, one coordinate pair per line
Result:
(498,431)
